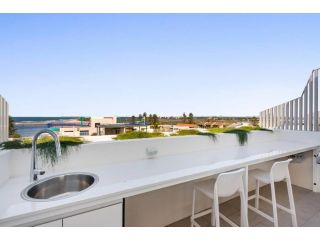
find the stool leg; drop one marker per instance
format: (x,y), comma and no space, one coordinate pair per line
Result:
(274,204)
(193,206)
(257,194)
(291,202)
(216,208)
(213,215)
(244,207)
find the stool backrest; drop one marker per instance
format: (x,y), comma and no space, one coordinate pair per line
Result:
(229,183)
(280,170)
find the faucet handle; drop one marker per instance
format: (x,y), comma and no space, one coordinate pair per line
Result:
(39,172)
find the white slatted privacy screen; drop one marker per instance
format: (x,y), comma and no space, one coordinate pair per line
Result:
(4,119)
(297,114)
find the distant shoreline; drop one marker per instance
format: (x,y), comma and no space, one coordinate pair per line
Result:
(37,123)
(42,119)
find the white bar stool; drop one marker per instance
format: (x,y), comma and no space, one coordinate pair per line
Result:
(226,184)
(279,172)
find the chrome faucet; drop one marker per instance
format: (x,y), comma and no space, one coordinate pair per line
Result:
(34,172)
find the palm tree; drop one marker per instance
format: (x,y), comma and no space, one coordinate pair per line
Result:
(190,118)
(184,117)
(144,115)
(133,119)
(150,118)
(155,121)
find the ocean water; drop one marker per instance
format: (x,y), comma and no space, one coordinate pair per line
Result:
(29,129)
(40,119)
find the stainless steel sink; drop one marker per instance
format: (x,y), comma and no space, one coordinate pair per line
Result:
(59,186)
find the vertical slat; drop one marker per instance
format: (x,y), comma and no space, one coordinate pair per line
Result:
(310,117)
(271,118)
(287,116)
(295,118)
(4,119)
(7,120)
(284,121)
(291,114)
(300,112)
(279,117)
(282,115)
(274,117)
(1,120)
(315,111)
(305,109)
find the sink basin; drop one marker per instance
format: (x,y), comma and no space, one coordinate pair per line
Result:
(59,186)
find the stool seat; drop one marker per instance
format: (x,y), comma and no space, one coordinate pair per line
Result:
(226,184)
(278,172)
(261,175)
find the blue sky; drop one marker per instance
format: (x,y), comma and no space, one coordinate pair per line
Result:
(124,64)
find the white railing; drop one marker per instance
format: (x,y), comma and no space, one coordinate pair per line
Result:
(297,114)
(4,119)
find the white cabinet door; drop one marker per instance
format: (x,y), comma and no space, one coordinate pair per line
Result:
(57,223)
(110,216)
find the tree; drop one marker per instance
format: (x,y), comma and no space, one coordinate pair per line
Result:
(12,128)
(145,115)
(155,121)
(184,116)
(191,118)
(140,117)
(133,119)
(150,118)
(254,121)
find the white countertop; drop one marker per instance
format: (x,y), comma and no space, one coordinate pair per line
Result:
(126,179)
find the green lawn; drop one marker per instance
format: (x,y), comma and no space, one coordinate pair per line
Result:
(189,132)
(137,134)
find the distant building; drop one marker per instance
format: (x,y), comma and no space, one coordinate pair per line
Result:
(4,120)
(89,128)
(182,126)
(118,128)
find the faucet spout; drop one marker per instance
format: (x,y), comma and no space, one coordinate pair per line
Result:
(34,172)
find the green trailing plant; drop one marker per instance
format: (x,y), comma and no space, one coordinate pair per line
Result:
(45,146)
(212,136)
(242,135)
(242,132)
(137,134)
(249,129)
